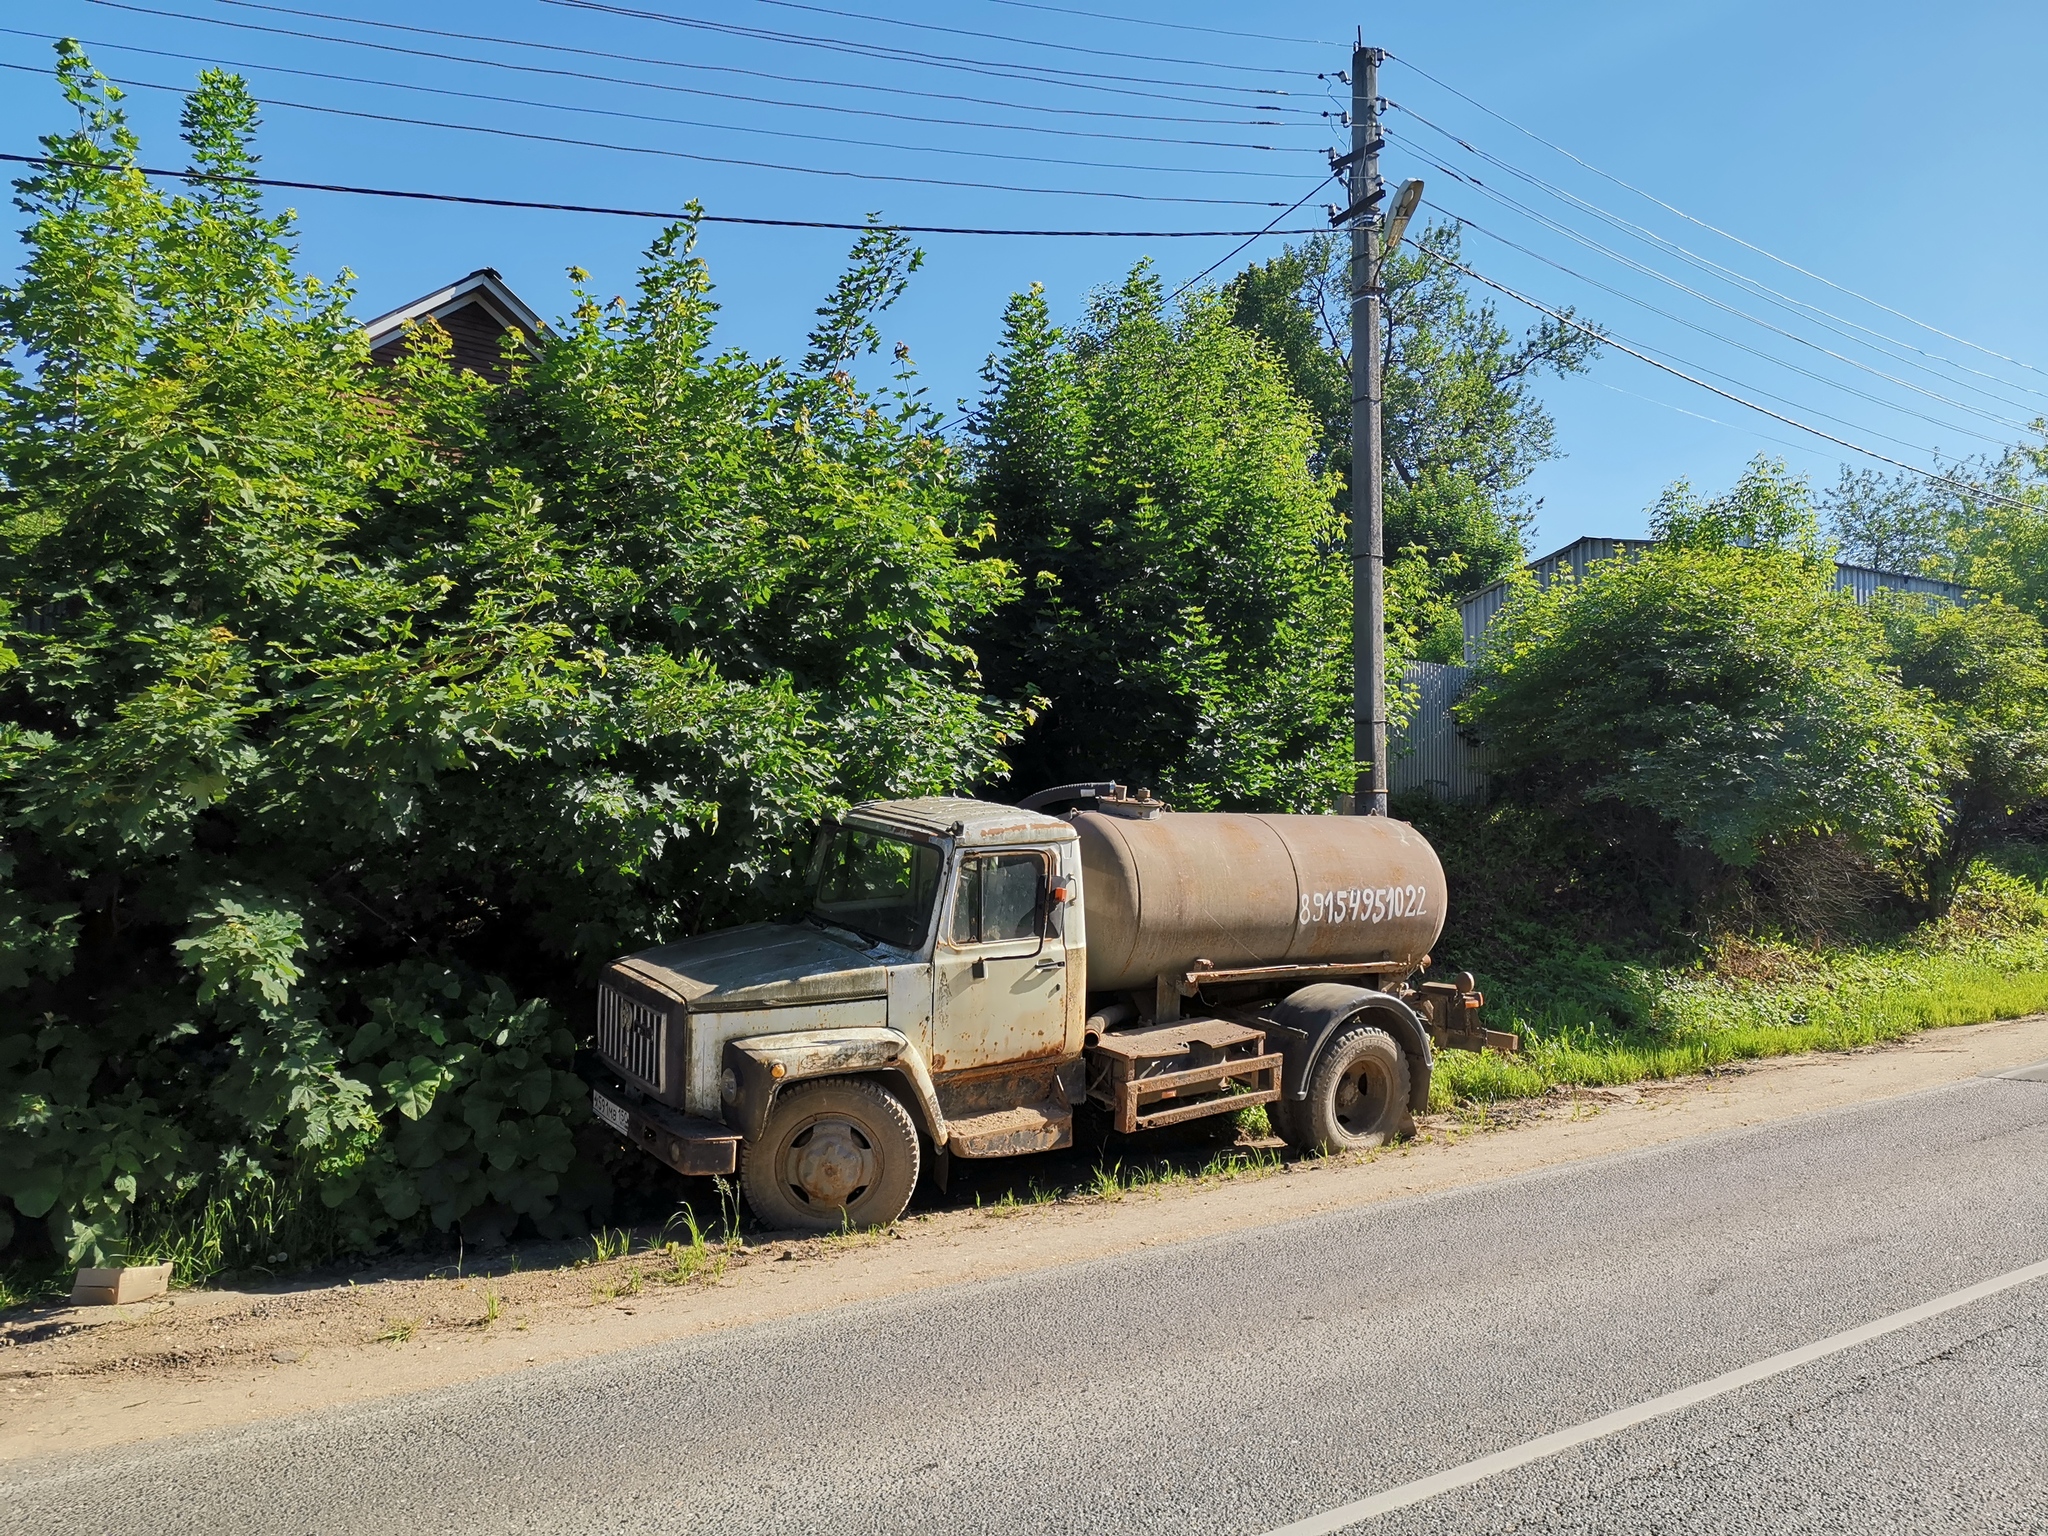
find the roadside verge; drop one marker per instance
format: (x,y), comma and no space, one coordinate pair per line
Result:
(76,1379)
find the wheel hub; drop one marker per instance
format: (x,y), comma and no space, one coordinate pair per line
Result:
(828,1164)
(1361,1098)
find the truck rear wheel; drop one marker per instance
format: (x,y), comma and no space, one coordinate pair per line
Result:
(1357,1094)
(838,1152)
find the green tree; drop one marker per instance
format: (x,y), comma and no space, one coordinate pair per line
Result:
(1986,667)
(350,718)
(1983,522)
(1717,684)
(1186,593)
(1463,427)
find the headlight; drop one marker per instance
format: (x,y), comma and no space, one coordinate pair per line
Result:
(729,1085)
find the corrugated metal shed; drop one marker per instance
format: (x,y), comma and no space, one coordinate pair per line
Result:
(1431,754)
(1478,610)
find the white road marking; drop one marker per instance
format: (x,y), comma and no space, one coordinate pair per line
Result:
(1425,1488)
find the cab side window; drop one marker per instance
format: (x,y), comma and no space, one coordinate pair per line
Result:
(998,898)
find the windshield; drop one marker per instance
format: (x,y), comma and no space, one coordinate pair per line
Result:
(880,886)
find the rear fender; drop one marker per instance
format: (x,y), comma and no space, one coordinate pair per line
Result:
(1308,1019)
(751,1083)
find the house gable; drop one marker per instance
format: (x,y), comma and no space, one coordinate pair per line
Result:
(476,311)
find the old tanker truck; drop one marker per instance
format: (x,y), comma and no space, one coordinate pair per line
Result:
(969,975)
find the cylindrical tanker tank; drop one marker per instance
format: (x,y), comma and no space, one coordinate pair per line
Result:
(1244,891)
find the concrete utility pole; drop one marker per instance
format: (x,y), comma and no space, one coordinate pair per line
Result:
(1368,553)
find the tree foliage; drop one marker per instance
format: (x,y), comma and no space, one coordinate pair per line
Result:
(1186,592)
(349,717)
(1719,684)
(1985,667)
(1982,523)
(1464,429)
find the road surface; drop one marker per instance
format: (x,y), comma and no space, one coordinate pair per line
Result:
(1282,1376)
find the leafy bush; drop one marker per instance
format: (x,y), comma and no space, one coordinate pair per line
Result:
(1717,684)
(1186,589)
(1985,666)
(350,718)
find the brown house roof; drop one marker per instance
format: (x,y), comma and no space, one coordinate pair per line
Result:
(476,311)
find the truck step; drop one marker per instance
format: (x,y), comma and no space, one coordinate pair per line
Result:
(1012,1132)
(1181,1071)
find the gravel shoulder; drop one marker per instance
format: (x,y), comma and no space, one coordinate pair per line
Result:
(74,1379)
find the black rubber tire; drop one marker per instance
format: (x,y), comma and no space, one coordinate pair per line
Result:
(862,1161)
(1357,1094)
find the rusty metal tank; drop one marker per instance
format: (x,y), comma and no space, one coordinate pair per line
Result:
(1166,889)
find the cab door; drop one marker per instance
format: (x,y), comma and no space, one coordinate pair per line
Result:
(1000,965)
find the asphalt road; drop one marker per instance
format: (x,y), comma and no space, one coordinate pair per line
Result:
(1241,1383)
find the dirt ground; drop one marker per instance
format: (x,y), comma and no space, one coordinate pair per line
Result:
(76,1378)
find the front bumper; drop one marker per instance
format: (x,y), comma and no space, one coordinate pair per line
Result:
(687,1143)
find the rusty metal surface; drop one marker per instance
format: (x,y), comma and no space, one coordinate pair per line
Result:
(1174,1039)
(687,1143)
(1244,892)
(1196,1109)
(707,1034)
(969,823)
(1192,982)
(1181,1071)
(1012,1132)
(1011,1000)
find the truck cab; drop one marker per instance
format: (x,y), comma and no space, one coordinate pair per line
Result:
(935,987)
(935,998)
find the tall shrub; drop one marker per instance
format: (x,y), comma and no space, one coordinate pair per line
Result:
(1186,586)
(350,718)
(1717,685)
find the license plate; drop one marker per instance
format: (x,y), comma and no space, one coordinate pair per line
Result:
(613,1115)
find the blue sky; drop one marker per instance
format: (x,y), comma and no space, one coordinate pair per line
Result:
(1892,149)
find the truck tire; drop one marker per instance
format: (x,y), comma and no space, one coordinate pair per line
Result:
(836,1152)
(1357,1094)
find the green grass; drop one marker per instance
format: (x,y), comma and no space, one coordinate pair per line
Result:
(1986,960)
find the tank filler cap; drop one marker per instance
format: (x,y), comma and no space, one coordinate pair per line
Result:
(1131,805)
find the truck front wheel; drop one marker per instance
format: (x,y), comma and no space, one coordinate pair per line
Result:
(837,1152)
(1357,1094)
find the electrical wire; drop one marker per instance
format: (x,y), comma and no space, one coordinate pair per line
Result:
(1780,300)
(1609,339)
(1321,182)
(683,154)
(723,69)
(1178,26)
(1635,266)
(1028,42)
(1792,266)
(1782,442)
(648,117)
(670,216)
(1037,74)
(1730,341)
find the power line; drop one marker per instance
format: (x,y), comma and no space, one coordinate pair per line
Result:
(1038,74)
(1780,300)
(1714,228)
(1177,26)
(1635,266)
(1240,250)
(1028,42)
(670,216)
(722,69)
(1608,339)
(682,154)
(1726,341)
(649,117)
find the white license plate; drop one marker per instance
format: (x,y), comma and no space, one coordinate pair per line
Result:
(613,1115)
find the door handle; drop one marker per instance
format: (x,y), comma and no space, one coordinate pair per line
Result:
(1050,965)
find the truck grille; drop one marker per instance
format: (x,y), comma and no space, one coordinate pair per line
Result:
(632,1036)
